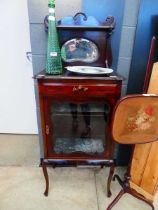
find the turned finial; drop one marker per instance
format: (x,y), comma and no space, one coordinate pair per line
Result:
(51,3)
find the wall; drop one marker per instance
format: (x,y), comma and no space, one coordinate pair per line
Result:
(129,26)
(147,27)
(125,12)
(127,40)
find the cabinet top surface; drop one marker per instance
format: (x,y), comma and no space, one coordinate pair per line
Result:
(67,75)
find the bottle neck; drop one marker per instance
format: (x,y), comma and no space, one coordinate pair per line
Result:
(52,11)
(52,14)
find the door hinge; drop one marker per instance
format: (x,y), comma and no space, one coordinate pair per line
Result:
(47,130)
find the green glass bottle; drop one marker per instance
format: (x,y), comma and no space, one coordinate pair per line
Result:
(53,63)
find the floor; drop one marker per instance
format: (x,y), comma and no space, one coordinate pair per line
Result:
(22,183)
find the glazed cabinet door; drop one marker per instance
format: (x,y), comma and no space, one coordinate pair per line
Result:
(76,130)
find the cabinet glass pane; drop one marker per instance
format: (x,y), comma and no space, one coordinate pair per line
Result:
(79,127)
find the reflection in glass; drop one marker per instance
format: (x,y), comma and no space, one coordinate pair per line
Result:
(79,127)
(79,50)
(85,108)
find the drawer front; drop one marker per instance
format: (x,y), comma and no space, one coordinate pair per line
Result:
(78,90)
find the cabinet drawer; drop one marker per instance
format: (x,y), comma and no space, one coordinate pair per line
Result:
(95,90)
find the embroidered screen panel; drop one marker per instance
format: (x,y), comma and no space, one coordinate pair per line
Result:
(136,120)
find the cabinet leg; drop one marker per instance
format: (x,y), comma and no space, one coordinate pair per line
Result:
(111,173)
(44,167)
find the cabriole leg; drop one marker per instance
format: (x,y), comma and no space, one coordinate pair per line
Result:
(111,173)
(140,197)
(44,167)
(116,200)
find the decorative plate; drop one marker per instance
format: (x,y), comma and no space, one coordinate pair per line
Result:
(89,70)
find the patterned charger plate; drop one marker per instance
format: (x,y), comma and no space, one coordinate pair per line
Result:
(89,70)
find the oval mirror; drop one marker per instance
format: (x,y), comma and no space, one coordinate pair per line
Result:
(79,50)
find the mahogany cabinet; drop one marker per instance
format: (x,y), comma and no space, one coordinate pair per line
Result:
(76,108)
(75,116)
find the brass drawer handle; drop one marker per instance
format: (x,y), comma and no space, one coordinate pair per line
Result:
(79,88)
